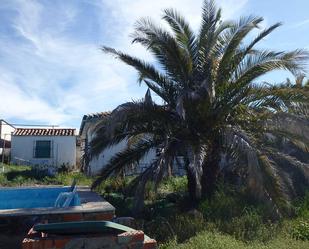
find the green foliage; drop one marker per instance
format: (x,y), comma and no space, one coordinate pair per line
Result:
(114,185)
(150,191)
(178,227)
(233,212)
(249,226)
(123,205)
(67,178)
(26,176)
(174,184)
(231,219)
(226,203)
(300,230)
(302,206)
(186,226)
(216,240)
(3,180)
(221,206)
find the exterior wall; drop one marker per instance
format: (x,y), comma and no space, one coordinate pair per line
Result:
(63,150)
(130,239)
(98,162)
(6,130)
(5,133)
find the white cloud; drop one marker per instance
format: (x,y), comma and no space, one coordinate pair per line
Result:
(15,104)
(49,76)
(301,24)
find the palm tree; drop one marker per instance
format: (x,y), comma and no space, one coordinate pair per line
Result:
(211,104)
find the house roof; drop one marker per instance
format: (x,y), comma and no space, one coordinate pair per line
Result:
(44,132)
(92,117)
(6,123)
(96,115)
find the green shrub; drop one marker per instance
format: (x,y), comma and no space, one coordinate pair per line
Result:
(114,185)
(300,230)
(179,227)
(3,180)
(223,206)
(208,240)
(302,206)
(174,184)
(215,240)
(186,226)
(123,205)
(159,229)
(25,176)
(249,226)
(150,191)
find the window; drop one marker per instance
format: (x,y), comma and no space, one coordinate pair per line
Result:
(42,149)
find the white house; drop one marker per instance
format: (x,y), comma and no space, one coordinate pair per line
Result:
(6,130)
(93,165)
(42,146)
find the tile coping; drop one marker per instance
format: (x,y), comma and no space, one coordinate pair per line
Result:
(91,202)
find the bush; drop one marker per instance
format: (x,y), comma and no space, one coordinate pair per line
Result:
(150,191)
(223,206)
(123,205)
(114,185)
(215,240)
(186,226)
(174,184)
(25,175)
(249,226)
(302,206)
(3,180)
(300,230)
(179,227)
(233,212)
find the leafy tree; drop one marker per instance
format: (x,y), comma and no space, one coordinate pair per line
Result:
(212,107)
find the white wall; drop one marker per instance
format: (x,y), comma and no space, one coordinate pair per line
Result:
(6,130)
(64,150)
(98,162)
(5,133)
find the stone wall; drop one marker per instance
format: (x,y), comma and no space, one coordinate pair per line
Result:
(128,240)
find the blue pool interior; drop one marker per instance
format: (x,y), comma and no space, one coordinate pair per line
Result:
(16,198)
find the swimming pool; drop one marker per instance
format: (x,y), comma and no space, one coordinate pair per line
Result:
(33,197)
(22,207)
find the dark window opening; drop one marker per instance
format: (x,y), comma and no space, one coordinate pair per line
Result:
(42,149)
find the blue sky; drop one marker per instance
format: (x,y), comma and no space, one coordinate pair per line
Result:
(51,68)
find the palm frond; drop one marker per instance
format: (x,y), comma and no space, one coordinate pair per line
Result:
(125,158)
(146,70)
(290,123)
(184,35)
(266,61)
(241,53)
(233,41)
(210,17)
(164,47)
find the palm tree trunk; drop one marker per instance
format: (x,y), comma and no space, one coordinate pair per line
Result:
(192,187)
(211,170)
(193,166)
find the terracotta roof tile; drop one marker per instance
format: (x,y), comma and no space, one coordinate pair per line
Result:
(44,132)
(93,117)
(97,115)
